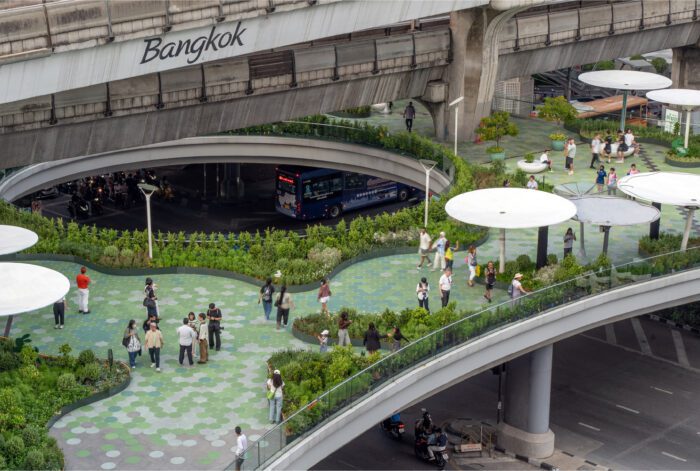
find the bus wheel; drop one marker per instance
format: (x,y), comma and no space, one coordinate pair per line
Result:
(403,195)
(334,211)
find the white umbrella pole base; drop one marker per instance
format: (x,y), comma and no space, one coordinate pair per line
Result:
(502,251)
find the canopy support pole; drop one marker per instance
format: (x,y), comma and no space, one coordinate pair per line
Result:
(688,227)
(623,112)
(655,226)
(502,251)
(8,326)
(582,250)
(606,238)
(687,127)
(542,236)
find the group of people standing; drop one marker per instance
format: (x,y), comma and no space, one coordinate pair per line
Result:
(602,148)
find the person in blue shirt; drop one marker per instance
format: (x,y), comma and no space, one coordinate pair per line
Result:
(600,178)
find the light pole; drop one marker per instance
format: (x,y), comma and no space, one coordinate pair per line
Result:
(148,191)
(428,166)
(455,103)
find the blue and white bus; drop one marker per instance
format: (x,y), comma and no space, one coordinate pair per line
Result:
(312,193)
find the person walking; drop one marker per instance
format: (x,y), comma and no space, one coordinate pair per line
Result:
(323,296)
(570,155)
(612,182)
(439,246)
(59,312)
(149,300)
(596,145)
(490,276)
(132,342)
(422,290)
(83,281)
(371,339)
(154,342)
(187,336)
(424,247)
(471,264)
(516,289)
(445,286)
(569,239)
(203,336)
(275,396)
(265,296)
(241,445)
(397,337)
(214,334)
(449,255)
(600,178)
(152,319)
(323,341)
(409,114)
(284,303)
(343,324)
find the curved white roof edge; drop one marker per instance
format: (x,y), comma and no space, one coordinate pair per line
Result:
(249,149)
(483,353)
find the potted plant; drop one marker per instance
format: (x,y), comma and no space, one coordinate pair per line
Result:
(558,140)
(494,128)
(529,165)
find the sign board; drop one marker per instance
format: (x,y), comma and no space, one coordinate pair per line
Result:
(671,117)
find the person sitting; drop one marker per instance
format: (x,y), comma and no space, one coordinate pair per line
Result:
(544,158)
(621,149)
(436,442)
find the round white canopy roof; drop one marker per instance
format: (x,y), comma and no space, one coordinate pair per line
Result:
(613,211)
(25,287)
(625,80)
(510,208)
(684,97)
(13,239)
(575,189)
(675,188)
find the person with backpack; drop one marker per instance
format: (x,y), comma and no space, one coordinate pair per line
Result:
(283,304)
(214,316)
(265,296)
(132,342)
(275,396)
(150,299)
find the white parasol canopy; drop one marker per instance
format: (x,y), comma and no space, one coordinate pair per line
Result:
(510,208)
(25,287)
(683,97)
(674,188)
(15,239)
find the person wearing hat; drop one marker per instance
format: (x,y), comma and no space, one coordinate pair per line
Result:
(516,288)
(150,298)
(275,395)
(323,341)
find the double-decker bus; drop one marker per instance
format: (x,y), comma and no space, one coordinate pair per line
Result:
(312,193)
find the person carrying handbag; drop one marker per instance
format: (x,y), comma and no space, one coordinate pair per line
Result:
(132,343)
(275,396)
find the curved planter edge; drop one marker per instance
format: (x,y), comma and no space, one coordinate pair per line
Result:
(104,394)
(382,252)
(681,164)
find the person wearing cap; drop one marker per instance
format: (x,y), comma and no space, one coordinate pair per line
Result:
(149,291)
(323,341)
(516,289)
(83,282)
(275,396)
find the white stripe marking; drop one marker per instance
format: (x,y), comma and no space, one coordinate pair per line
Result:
(662,390)
(590,426)
(680,348)
(610,334)
(674,456)
(641,336)
(627,409)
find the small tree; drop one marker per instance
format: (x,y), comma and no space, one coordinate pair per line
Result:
(557,109)
(495,127)
(659,64)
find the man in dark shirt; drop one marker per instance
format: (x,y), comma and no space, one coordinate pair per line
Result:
(214,316)
(409,113)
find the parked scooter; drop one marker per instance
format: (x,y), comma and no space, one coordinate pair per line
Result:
(393,427)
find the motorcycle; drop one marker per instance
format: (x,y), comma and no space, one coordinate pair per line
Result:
(393,428)
(97,209)
(420,448)
(79,209)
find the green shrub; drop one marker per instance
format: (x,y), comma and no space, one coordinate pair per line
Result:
(659,64)
(88,373)
(12,414)
(32,435)
(86,357)
(9,361)
(496,127)
(66,382)
(34,460)
(28,355)
(14,450)
(557,109)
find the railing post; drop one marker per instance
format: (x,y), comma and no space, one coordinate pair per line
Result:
(517,35)
(335,77)
(611,31)
(108,103)
(668,17)
(160,104)
(293,83)
(413,57)
(578,25)
(547,40)
(249,89)
(641,20)
(52,118)
(375,68)
(203,96)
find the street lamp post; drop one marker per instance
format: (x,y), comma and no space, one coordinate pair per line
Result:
(148,191)
(455,103)
(428,166)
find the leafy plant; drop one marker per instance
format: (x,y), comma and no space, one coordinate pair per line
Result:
(86,357)
(495,127)
(557,109)
(529,157)
(659,64)
(557,136)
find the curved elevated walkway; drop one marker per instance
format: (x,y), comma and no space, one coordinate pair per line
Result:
(475,356)
(228,149)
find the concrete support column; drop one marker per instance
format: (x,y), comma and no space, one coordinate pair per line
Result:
(525,430)
(685,70)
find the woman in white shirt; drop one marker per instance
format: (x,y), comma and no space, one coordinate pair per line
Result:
(275,396)
(532,183)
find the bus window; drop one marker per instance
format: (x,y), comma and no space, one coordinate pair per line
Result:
(286,184)
(322,187)
(354,181)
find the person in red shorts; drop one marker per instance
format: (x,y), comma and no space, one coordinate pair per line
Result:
(83,282)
